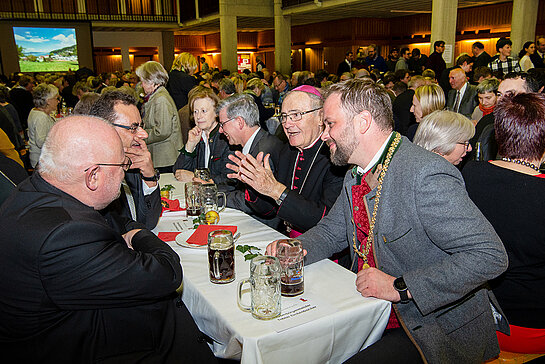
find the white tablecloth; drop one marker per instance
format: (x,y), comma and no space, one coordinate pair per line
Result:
(350,322)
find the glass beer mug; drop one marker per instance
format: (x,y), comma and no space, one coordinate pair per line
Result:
(221,256)
(290,255)
(210,198)
(193,198)
(264,287)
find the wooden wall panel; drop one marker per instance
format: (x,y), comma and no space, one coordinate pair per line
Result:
(184,43)
(540,28)
(212,42)
(315,59)
(331,31)
(247,40)
(371,28)
(265,38)
(108,63)
(485,17)
(332,57)
(413,24)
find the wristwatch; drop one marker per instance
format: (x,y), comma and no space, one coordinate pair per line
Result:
(153,178)
(401,287)
(282,196)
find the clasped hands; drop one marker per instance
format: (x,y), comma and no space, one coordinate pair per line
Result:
(256,173)
(141,159)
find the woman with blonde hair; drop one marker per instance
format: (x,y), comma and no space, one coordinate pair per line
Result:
(180,78)
(205,146)
(426,99)
(160,116)
(446,133)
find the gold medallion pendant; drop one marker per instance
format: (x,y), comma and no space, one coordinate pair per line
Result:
(365,266)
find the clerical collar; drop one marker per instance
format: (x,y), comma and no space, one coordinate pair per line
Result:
(377,157)
(313,143)
(248,145)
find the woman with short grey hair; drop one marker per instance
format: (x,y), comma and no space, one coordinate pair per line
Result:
(45,99)
(160,117)
(486,92)
(446,133)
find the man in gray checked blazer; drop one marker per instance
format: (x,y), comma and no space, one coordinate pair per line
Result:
(431,252)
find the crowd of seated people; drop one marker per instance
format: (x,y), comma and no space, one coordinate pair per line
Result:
(267,139)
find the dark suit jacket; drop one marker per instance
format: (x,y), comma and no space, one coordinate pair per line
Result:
(23,102)
(179,84)
(468,102)
(482,60)
(401,108)
(73,292)
(343,67)
(537,60)
(263,142)
(302,208)
(148,208)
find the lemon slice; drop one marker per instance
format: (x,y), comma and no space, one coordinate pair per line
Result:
(212,217)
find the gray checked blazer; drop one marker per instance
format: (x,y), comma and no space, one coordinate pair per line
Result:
(431,233)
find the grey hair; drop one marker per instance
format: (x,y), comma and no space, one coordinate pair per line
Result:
(488,85)
(441,130)
(227,86)
(360,94)
(58,159)
(242,105)
(42,93)
(152,72)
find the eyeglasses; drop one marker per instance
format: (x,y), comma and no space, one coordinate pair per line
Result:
(126,165)
(295,116)
(465,144)
(133,128)
(226,121)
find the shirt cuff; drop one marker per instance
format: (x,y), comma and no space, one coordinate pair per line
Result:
(147,189)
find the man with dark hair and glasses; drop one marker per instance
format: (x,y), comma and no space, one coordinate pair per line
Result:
(74,289)
(140,198)
(305,184)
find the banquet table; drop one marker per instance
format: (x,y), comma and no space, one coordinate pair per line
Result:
(328,323)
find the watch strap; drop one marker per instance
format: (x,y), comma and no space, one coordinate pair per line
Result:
(282,196)
(401,287)
(153,178)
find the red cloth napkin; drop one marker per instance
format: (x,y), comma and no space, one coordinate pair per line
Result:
(200,236)
(173,205)
(168,236)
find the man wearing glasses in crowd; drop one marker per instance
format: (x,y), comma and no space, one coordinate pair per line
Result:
(140,198)
(75,290)
(305,184)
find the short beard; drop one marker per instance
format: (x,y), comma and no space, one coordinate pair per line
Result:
(343,153)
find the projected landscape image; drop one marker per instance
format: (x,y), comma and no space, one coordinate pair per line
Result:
(46,49)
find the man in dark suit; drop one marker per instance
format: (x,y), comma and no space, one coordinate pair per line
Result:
(538,58)
(463,96)
(481,58)
(239,122)
(140,198)
(21,98)
(346,64)
(305,184)
(74,290)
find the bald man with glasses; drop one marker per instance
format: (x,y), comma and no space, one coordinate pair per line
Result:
(140,198)
(74,289)
(305,184)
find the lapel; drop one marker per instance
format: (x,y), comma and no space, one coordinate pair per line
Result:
(258,137)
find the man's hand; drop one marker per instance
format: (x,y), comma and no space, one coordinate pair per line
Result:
(183,175)
(141,159)
(193,138)
(202,181)
(372,282)
(257,173)
(272,248)
(129,235)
